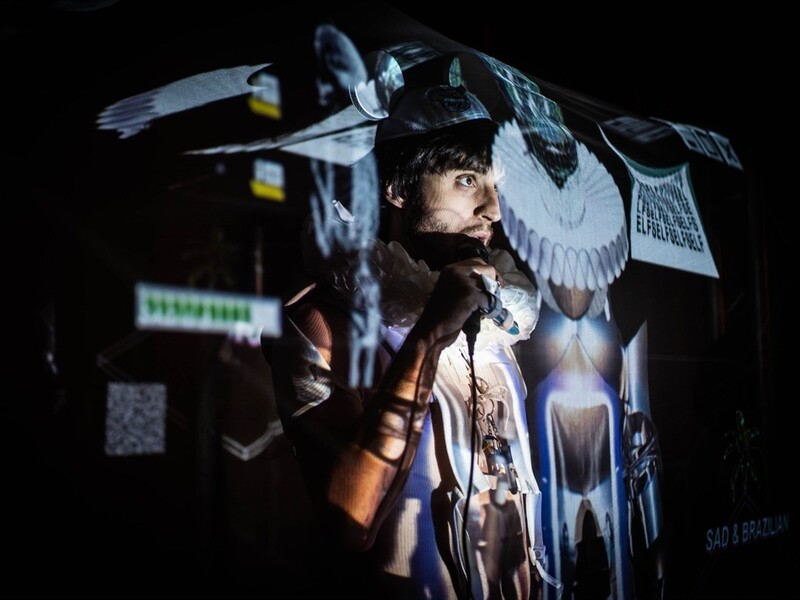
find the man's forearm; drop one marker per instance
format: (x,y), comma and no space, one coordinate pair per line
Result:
(371,471)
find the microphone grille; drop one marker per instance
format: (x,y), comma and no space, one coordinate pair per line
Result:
(473,249)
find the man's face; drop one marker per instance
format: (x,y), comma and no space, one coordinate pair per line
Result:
(457,201)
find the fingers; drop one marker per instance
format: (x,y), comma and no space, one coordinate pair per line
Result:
(465,280)
(459,292)
(481,267)
(474,266)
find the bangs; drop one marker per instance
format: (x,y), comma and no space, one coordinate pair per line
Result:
(466,146)
(458,157)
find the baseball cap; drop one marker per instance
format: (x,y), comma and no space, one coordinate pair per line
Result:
(419,110)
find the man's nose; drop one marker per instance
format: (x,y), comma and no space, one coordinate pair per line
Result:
(489,206)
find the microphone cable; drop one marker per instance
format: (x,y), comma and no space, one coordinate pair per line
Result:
(471,328)
(473,458)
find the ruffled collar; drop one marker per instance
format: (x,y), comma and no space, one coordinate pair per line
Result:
(406,284)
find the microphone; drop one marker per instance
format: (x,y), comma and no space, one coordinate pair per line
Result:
(472,249)
(499,315)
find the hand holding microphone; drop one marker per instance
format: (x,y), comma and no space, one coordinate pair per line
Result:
(495,311)
(500,316)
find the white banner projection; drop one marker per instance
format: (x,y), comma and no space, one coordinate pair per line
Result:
(665,225)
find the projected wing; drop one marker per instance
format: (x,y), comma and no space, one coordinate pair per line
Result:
(131,115)
(573,235)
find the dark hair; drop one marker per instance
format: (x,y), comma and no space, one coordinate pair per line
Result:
(402,162)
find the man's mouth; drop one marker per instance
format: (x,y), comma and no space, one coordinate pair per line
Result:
(482,235)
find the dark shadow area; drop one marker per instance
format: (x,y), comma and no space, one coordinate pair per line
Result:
(88,215)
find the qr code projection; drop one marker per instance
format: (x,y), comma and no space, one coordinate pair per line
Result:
(135,419)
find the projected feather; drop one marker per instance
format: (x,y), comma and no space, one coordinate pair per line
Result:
(131,115)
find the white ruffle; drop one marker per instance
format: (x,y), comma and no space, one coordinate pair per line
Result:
(573,235)
(407,284)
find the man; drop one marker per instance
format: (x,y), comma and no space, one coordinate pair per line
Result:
(428,473)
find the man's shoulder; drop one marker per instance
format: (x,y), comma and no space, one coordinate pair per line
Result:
(318,304)
(317,294)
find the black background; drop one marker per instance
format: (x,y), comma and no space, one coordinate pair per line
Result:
(65,510)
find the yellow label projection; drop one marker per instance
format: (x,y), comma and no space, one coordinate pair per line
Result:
(268,180)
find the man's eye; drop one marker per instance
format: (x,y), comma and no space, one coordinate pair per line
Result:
(466,180)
